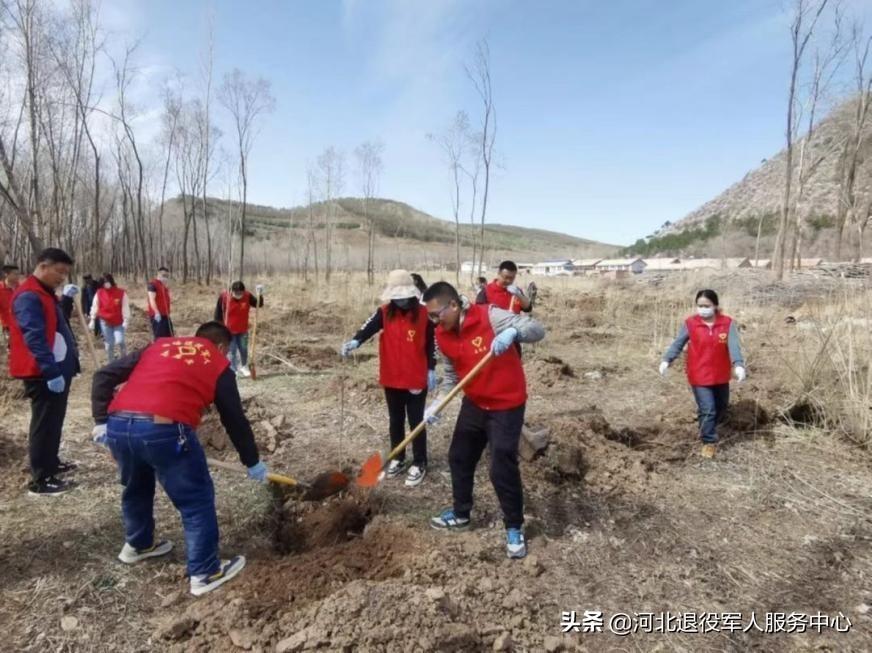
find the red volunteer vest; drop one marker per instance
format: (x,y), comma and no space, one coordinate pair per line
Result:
(501,298)
(501,385)
(22,364)
(236,312)
(175,378)
(402,350)
(708,355)
(162,299)
(109,304)
(5,304)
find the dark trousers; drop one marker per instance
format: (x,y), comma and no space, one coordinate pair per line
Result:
(501,430)
(47,412)
(162,329)
(712,402)
(402,403)
(171,453)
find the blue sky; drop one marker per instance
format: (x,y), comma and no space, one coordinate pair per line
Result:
(613,117)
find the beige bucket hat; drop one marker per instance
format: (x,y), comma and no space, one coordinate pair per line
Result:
(399,286)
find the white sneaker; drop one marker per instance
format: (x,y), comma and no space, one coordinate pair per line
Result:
(395,468)
(415,476)
(229,568)
(130,556)
(244,371)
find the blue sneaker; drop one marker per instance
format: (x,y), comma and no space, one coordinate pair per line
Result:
(448,521)
(516,545)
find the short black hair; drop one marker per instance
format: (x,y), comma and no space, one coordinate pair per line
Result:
(163,269)
(444,291)
(419,282)
(88,276)
(710,295)
(9,268)
(482,280)
(54,255)
(107,277)
(214,331)
(237,286)
(508,265)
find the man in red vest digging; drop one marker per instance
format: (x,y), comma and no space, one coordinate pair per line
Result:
(503,293)
(43,353)
(492,412)
(233,310)
(150,428)
(159,304)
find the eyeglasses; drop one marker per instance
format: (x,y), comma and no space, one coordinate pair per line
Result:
(435,316)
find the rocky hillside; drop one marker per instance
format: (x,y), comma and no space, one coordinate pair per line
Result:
(730,220)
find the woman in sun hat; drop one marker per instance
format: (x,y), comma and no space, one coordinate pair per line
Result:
(714,354)
(407,366)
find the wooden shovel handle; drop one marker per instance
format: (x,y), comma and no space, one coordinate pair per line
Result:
(274,478)
(88,335)
(442,404)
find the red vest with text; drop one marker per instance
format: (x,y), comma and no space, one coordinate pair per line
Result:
(501,384)
(402,350)
(5,304)
(109,304)
(708,355)
(501,298)
(162,299)
(174,378)
(22,364)
(236,312)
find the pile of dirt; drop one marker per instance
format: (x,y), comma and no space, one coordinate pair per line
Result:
(271,429)
(548,371)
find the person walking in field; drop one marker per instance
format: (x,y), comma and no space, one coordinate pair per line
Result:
(713,355)
(492,412)
(159,304)
(8,285)
(503,293)
(233,311)
(90,286)
(407,366)
(150,425)
(43,354)
(112,308)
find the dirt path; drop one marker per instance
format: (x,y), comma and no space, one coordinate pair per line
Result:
(621,513)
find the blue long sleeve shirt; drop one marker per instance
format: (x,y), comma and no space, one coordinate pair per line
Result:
(683,337)
(27,309)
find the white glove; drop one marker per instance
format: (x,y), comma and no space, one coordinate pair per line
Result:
(91,325)
(664,367)
(430,415)
(741,374)
(98,435)
(124,325)
(157,317)
(514,290)
(258,289)
(71,290)
(348,347)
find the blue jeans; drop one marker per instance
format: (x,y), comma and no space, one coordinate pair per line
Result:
(712,402)
(238,345)
(111,336)
(172,453)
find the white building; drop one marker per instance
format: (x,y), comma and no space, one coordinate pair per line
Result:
(585,265)
(632,265)
(467,267)
(555,268)
(662,264)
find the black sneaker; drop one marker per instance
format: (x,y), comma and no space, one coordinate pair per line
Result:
(65,467)
(49,487)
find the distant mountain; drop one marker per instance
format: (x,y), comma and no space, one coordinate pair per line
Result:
(729,222)
(405,236)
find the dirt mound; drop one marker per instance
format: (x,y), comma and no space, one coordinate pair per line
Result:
(549,371)
(305,526)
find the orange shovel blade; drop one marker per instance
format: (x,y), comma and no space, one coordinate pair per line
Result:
(370,473)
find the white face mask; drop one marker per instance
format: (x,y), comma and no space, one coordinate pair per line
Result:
(107,286)
(164,280)
(706,311)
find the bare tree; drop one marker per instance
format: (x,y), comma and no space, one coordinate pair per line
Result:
(806,15)
(369,168)
(246,100)
(331,167)
(480,75)
(454,142)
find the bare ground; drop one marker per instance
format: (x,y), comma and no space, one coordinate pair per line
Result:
(622,514)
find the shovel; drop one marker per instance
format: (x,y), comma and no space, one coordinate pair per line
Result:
(252,365)
(372,471)
(325,485)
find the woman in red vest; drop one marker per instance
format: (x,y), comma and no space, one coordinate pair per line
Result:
(111,307)
(714,353)
(407,362)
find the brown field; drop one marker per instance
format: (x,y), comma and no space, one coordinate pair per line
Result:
(622,515)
